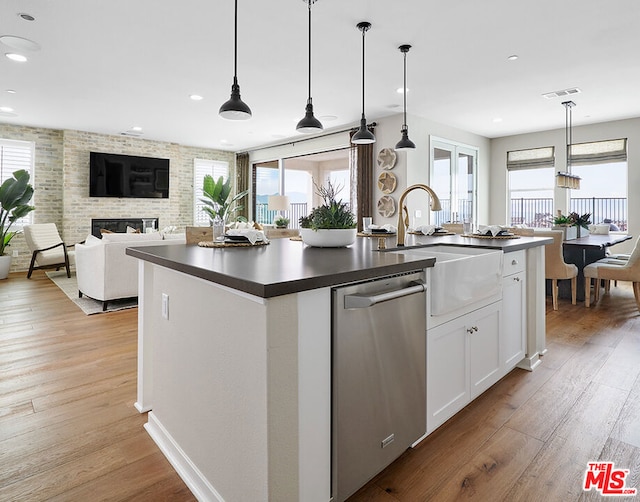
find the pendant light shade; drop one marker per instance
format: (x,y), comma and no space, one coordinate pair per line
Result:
(564,179)
(405,143)
(235,108)
(309,123)
(363,136)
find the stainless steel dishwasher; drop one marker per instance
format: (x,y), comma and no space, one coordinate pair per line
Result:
(379,381)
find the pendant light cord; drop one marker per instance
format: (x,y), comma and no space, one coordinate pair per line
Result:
(404,91)
(235,44)
(310,2)
(364,30)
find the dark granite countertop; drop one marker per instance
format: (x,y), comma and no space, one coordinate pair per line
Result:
(285,266)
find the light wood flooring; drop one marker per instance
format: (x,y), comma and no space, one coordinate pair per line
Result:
(69,431)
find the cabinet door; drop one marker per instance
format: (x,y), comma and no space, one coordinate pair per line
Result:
(447,372)
(483,329)
(513,321)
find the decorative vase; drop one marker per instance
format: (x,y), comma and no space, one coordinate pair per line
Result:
(5,265)
(328,238)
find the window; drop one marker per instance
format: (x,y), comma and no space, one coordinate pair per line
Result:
(202,167)
(531,182)
(453,169)
(602,165)
(266,180)
(16,155)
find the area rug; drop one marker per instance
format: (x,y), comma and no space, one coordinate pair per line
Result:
(69,286)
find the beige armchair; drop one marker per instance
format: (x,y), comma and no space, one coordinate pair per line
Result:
(609,269)
(555,267)
(47,248)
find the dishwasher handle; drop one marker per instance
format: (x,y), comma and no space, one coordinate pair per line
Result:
(363,302)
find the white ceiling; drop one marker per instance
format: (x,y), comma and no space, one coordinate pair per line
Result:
(106,66)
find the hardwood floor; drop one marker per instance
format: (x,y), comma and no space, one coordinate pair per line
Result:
(69,431)
(68,428)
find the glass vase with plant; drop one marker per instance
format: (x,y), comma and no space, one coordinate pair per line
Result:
(281,222)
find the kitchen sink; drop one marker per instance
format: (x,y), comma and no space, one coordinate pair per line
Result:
(461,277)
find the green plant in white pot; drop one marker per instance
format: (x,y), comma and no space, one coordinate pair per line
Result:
(330,225)
(15,194)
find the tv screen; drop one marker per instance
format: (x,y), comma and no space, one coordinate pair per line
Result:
(114,175)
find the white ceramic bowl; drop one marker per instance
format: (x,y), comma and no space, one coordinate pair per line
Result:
(330,238)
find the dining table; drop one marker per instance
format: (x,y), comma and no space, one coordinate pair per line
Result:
(583,251)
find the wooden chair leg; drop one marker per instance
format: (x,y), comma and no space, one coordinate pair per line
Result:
(636,293)
(574,289)
(587,291)
(33,262)
(607,286)
(596,290)
(554,293)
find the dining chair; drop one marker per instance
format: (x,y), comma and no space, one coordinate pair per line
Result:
(47,248)
(555,267)
(609,269)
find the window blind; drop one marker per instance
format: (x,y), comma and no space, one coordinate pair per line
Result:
(202,167)
(599,152)
(16,155)
(532,158)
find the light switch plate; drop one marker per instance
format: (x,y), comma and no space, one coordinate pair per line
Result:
(165,306)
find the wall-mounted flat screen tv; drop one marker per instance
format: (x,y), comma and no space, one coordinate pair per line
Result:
(114,175)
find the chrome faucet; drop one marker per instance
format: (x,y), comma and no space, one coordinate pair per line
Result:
(402,225)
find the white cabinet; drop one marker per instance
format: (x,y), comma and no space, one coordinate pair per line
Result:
(462,362)
(514,317)
(513,339)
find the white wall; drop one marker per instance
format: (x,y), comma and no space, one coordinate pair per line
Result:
(498,208)
(413,166)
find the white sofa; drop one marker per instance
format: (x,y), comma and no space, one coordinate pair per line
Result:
(105,272)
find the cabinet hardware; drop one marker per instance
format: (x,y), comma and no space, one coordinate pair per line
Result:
(472,329)
(517,279)
(514,262)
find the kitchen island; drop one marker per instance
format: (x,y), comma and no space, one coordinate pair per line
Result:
(235,356)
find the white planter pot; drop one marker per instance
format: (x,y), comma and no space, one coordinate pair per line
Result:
(5,265)
(331,238)
(568,233)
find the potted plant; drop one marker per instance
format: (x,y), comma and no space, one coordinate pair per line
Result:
(567,225)
(581,222)
(330,225)
(281,222)
(219,205)
(15,194)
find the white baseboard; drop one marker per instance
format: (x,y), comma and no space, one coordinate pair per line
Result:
(530,363)
(189,473)
(140,408)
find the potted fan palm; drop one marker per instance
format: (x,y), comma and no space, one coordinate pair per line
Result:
(15,194)
(330,225)
(219,205)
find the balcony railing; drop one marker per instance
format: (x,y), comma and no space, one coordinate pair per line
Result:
(538,212)
(296,210)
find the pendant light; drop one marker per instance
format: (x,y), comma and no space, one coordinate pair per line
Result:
(363,136)
(564,179)
(405,143)
(235,108)
(309,123)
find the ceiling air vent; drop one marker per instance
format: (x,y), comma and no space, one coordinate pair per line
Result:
(563,93)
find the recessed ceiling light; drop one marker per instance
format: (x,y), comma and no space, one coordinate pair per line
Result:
(196,97)
(26,17)
(16,57)
(10,91)
(136,128)
(400,90)
(6,109)
(20,43)
(513,57)
(497,120)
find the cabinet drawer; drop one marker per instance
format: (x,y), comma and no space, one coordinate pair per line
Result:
(513,262)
